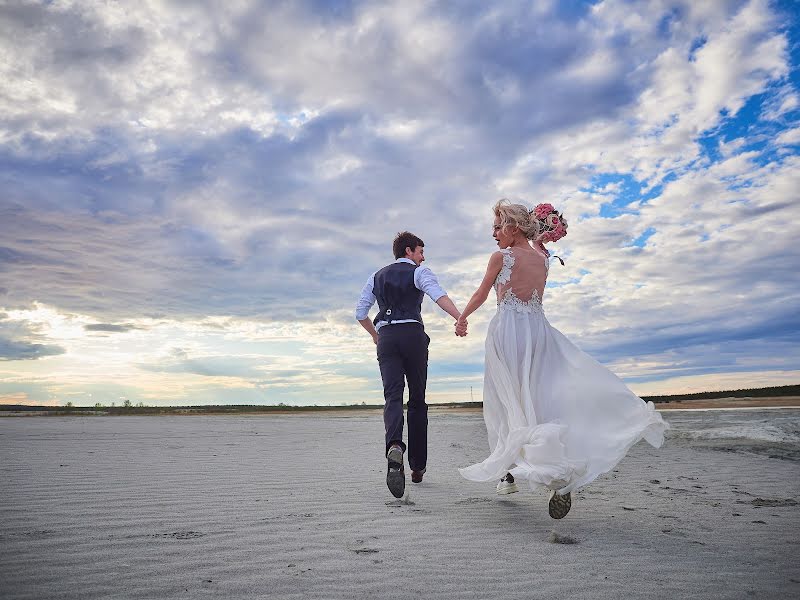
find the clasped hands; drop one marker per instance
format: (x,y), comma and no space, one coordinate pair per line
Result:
(461,327)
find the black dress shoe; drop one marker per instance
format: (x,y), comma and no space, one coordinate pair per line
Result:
(395,475)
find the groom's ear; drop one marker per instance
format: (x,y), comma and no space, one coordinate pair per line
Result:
(409,251)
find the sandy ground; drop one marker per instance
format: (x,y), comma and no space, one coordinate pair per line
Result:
(296,507)
(779,401)
(717,403)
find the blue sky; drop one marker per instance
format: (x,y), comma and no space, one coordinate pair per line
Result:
(194,194)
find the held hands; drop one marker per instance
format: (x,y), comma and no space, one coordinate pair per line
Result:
(461,327)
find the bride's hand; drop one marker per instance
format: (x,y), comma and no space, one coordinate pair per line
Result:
(461,327)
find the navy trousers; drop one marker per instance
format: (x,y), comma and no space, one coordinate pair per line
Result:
(403,356)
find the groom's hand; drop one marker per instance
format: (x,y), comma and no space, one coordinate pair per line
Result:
(461,327)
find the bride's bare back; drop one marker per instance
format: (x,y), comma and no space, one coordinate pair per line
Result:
(523,276)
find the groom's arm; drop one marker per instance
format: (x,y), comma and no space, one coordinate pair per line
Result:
(426,281)
(447,306)
(367,324)
(365,302)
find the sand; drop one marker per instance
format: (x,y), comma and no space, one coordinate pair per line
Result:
(296,507)
(726,403)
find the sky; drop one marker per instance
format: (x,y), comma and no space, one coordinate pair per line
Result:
(192,194)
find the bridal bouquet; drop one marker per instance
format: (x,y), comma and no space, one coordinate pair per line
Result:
(551,223)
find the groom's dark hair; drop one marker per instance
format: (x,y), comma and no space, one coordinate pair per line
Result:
(403,240)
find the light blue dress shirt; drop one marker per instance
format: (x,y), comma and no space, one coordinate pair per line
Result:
(424,280)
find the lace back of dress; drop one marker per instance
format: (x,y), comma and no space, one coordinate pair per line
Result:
(519,281)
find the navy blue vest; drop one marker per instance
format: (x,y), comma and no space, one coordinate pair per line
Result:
(398,297)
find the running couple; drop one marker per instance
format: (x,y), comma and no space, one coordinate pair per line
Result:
(555,417)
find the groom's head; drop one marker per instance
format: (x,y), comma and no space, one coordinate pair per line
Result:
(407,245)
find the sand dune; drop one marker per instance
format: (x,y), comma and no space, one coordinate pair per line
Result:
(296,507)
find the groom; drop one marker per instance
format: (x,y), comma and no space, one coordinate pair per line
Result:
(403,351)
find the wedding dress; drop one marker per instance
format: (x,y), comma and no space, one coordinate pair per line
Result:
(555,416)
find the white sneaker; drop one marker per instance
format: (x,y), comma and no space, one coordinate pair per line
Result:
(507,485)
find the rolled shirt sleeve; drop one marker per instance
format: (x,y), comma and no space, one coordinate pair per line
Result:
(366,300)
(425,280)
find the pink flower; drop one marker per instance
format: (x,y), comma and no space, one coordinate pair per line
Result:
(552,221)
(542,210)
(557,230)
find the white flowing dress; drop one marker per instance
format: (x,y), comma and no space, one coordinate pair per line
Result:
(555,416)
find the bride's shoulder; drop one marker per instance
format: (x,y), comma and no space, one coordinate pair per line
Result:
(501,254)
(502,259)
(498,256)
(497,259)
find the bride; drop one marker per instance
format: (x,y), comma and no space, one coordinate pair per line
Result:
(555,416)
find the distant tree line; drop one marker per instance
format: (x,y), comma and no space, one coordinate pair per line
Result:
(128,408)
(767,392)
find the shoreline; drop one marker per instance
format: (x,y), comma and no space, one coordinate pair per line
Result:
(732,403)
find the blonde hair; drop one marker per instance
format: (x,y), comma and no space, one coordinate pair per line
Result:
(516,215)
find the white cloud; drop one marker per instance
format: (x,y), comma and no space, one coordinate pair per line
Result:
(789,137)
(250,165)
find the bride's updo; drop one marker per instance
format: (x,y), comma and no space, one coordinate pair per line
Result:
(516,215)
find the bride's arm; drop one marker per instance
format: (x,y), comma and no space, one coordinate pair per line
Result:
(480,295)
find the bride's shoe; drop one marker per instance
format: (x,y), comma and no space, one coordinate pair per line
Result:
(507,485)
(559,505)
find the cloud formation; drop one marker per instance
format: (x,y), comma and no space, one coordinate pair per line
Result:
(19,350)
(168,166)
(108,327)
(21,341)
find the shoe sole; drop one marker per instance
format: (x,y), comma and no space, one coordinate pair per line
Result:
(396,477)
(396,482)
(512,489)
(559,506)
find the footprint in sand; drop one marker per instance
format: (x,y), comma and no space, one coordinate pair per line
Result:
(672,531)
(473,500)
(773,502)
(180,535)
(557,538)
(404,501)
